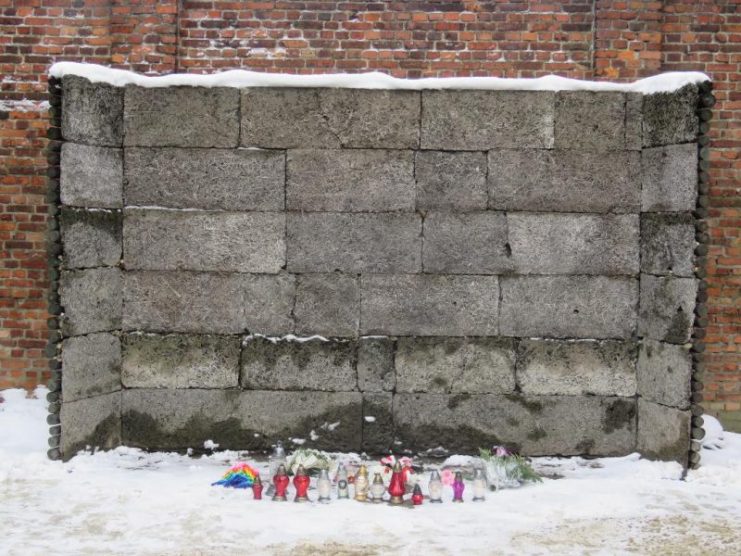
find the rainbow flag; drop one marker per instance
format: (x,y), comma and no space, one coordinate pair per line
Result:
(239,475)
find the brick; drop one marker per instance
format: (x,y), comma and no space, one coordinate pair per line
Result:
(208,302)
(354,242)
(91,366)
(471,243)
(327,304)
(427,305)
(206,178)
(664,372)
(564,181)
(555,367)
(91,238)
(667,308)
(92,113)
(93,423)
(330,118)
(663,432)
(591,121)
(568,306)
(180,361)
(573,243)
(670,117)
(172,240)
(376,371)
(354,180)
(668,244)
(454,181)
(669,178)
(181,117)
(91,176)
(482,120)
(91,299)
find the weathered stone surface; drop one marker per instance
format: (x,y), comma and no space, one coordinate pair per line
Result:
(234,241)
(455,365)
(298,365)
(378,423)
(533,425)
(472,243)
(669,177)
(564,180)
(590,121)
(91,176)
(573,243)
(664,372)
(568,306)
(180,361)
(579,368)
(223,179)
(93,422)
(281,118)
(91,238)
(376,372)
(670,117)
(92,366)
(429,305)
(327,304)
(353,180)
(181,117)
(633,121)
(450,180)
(354,242)
(667,244)
(253,420)
(663,432)
(482,120)
(91,112)
(91,299)
(667,308)
(208,302)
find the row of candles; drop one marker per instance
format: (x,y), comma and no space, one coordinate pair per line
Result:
(368,491)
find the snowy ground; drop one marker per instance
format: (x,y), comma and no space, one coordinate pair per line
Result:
(126,501)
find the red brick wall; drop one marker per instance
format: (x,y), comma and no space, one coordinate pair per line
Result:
(604,39)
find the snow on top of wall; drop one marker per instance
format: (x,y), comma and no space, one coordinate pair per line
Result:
(665,82)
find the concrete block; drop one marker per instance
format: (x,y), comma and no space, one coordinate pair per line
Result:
(209,303)
(91,238)
(482,120)
(554,367)
(378,423)
(253,420)
(353,180)
(235,241)
(91,299)
(354,242)
(425,305)
(455,365)
(664,372)
(564,181)
(317,365)
(180,361)
(92,113)
(670,117)
(590,121)
(93,423)
(667,308)
(669,177)
(668,244)
(454,181)
(532,425)
(568,306)
(91,366)
(327,304)
(633,121)
(220,179)
(663,432)
(573,243)
(181,117)
(376,372)
(471,243)
(91,176)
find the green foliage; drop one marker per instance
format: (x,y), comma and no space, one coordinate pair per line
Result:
(507,470)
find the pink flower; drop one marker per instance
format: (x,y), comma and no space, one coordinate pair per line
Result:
(447,477)
(501,451)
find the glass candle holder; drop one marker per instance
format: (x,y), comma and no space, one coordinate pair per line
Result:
(479,485)
(361,484)
(458,487)
(377,489)
(324,486)
(435,487)
(343,491)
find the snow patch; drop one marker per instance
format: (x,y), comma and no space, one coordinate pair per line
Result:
(369,419)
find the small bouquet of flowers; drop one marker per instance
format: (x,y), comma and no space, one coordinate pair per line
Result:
(505,469)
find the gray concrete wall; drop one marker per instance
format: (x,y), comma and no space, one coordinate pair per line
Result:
(485,267)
